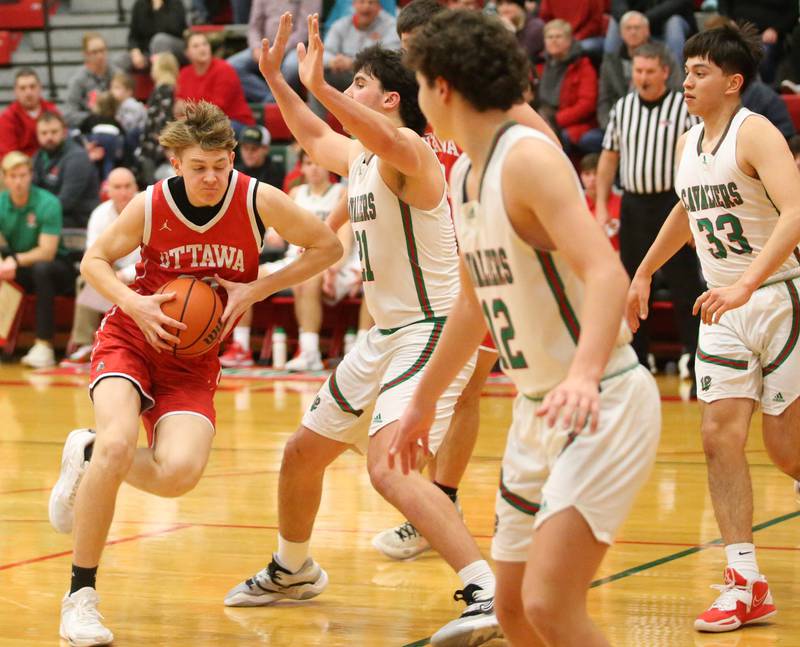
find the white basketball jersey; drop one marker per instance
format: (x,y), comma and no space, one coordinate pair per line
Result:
(531,299)
(319,204)
(730,213)
(409,261)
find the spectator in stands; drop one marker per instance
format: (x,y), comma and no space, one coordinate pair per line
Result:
(472,5)
(18,120)
(210,78)
(63,167)
(616,69)
(528,29)
(333,10)
(93,77)
(567,91)
(30,222)
(368,25)
(775,20)
(130,113)
(156,26)
(794,146)
(160,110)
(671,21)
(588,170)
(104,136)
(265,16)
(584,16)
(253,158)
(89,304)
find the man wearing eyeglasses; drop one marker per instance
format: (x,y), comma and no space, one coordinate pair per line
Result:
(92,78)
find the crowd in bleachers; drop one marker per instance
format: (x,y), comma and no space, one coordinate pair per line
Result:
(580,51)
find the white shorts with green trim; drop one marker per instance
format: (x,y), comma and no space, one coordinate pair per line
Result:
(753,351)
(383,370)
(549,469)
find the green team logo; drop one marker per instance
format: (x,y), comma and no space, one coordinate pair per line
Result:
(705,383)
(316,403)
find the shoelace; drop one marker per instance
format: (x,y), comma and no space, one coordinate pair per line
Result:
(407,531)
(475,605)
(729,595)
(86,609)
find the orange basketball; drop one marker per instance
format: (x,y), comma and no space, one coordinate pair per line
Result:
(197,305)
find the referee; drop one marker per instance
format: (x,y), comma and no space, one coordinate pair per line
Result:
(643,129)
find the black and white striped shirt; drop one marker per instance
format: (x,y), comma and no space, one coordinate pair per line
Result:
(645,134)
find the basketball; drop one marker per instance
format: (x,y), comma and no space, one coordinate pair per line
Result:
(197,305)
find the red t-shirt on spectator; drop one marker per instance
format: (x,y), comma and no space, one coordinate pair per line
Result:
(18,128)
(584,16)
(220,85)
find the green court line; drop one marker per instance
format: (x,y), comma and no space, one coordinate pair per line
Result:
(661,560)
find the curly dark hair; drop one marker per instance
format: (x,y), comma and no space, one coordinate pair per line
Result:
(475,54)
(416,14)
(387,66)
(735,48)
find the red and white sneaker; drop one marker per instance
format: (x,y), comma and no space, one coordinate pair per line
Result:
(236,357)
(740,602)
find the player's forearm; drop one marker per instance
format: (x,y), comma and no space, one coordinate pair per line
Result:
(305,126)
(604,301)
(462,334)
(673,235)
(375,131)
(99,273)
(311,262)
(781,243)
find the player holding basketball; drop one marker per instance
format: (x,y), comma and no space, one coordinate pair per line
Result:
(538,270)
(739,194)
(400,216)
(208,221)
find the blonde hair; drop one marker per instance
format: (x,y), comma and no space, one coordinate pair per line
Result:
(558,25)
(204,125)
(14,159)
(165,69)
(90,36)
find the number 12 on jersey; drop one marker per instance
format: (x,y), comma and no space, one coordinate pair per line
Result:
(498,314)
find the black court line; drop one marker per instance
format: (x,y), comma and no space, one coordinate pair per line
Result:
(661,560)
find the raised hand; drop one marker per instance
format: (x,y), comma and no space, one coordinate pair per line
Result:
(269,63)
(312,70)
(146,311)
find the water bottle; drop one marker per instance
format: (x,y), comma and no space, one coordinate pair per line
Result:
(349,340)
(278,348)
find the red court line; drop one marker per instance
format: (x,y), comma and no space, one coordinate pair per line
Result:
(113,542)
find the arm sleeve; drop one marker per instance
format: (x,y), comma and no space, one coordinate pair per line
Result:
(50,217)
(73,106)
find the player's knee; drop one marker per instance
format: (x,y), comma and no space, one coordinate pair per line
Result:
(508,608)
(114,457)
(181,477)
(720,439)
(298,456)
(383,478)
(543,612)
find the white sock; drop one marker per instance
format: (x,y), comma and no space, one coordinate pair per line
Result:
(309,343)
(292,554)
(478,573)
(241,335)
(742,558)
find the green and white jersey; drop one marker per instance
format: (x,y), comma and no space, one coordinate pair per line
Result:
(409,261)
(730,213)
(531,299)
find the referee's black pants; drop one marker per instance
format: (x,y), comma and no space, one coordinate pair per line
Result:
(641,217)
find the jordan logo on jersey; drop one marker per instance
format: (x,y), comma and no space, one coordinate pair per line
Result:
(203,255)
(165,226)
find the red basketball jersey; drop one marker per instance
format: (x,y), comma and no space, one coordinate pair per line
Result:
(446,151)
(172,246)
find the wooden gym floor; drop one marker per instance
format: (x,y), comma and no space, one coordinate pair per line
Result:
(170,561)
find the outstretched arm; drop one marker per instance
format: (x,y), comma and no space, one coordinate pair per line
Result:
(399,148)
(325,146)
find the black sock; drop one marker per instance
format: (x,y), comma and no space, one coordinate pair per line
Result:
(451,492)
(87,451)
(82,577)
